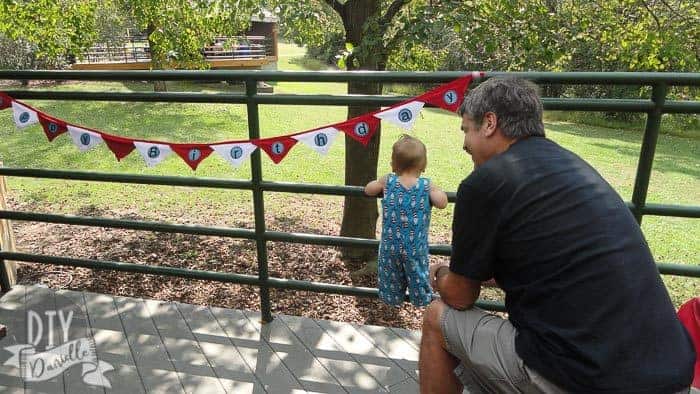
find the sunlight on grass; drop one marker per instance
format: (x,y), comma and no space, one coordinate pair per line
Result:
(613,152)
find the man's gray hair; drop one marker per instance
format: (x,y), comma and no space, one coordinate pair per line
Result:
(515,102)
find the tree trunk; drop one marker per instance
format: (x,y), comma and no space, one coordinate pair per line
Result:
(360,213)
(156,59)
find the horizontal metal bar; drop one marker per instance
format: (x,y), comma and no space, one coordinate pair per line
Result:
(672,210)
(277,236)
(243,279)
(226,277)
(631,78)
(615,105)
(327,99)
(604,78)
(681,107)
(173,97)
(230,75)
(334,240)
(340,190)
(691,271)
(126,178)
(650,209)
(325,240)
(129,224)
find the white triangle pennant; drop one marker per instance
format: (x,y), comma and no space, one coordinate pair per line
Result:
(84,139)
(318,140)
(153,153)
(23,116)
(235,153)
(404,115)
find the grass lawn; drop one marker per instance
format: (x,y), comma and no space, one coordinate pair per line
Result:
(613,152)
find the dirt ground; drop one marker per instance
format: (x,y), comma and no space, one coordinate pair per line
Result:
(286,260)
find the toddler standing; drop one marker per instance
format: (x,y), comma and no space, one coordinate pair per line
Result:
(406,204)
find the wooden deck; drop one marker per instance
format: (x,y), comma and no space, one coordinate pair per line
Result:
(170,347)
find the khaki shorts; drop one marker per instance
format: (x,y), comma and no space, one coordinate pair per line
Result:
(485,343)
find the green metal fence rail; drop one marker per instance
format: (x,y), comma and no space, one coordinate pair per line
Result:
(655,108)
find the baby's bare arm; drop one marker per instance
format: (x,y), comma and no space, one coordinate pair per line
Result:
(437,197)
(375,187)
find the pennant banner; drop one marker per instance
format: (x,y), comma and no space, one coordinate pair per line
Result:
(5,101)
(84,139)
(276,147)
(23,115)
(362,129)
(153,153)
(121,147)
(235,153)
(52,127)
(403,115)
(318,140)
(192,154)
(449,96)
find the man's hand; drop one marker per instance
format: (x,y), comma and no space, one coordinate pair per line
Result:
(434,270)
(457,291)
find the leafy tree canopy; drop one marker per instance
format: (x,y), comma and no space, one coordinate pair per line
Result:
(50,28)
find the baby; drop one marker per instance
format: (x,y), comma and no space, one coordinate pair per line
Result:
(406,204)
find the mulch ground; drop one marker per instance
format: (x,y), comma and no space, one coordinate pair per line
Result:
(286,260)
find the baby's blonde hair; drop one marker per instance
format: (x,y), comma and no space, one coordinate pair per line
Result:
(408,152)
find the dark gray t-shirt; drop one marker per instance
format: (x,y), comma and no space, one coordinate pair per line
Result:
(581,285)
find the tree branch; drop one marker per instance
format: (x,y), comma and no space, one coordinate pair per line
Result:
(339,8)
(658,24)
(394,8)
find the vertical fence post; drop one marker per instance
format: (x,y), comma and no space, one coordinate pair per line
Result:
(251,89)
(646,155)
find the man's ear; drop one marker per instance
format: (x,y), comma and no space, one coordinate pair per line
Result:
(490,124)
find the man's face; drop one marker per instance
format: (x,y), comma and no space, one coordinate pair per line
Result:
(474,139)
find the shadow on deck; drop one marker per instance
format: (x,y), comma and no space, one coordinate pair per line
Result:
(156,346)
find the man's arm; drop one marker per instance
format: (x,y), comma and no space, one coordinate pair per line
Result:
(457,291)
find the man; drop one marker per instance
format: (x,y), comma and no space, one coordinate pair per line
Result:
(587,310)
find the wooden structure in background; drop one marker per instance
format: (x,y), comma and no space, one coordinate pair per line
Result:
(7,239)
(255,49)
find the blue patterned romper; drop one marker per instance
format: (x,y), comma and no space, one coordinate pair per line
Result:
(403,250)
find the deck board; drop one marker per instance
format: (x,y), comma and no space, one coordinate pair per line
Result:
(12,316)
(157,346)
(40,300)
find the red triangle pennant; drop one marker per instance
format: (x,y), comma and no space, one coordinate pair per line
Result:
(121,147)
(449,96)
(276,147)
(5,101)
(361,128)
(52,127)
(192,154)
